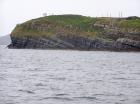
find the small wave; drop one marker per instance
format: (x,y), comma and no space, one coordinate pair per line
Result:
(87,98)
(61,94)
(13,96)
(61,79)
(36,69)
(138,101)
(40,84)
(27,91)
(69,98)
(109,94)
(58,98)
(136,73)
(73,69)
(124,79)
(1,78)
(99,94)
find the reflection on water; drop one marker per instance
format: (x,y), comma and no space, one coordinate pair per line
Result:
(69,77)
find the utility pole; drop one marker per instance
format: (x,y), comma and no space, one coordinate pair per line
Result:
(110,15)
(107,15)
(121,15)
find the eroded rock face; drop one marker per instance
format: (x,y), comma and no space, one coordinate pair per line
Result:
(76,43)
(129,42)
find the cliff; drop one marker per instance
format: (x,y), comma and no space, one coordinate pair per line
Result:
(78,32)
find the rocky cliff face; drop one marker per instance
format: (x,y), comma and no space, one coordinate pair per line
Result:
(78,33)
(76,43)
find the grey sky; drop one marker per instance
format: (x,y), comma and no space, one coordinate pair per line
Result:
(13,12)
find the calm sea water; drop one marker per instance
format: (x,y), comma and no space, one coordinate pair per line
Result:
(69,77)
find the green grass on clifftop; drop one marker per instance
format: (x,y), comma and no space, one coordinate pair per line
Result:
(74,25)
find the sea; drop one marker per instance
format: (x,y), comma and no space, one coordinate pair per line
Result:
(33,76)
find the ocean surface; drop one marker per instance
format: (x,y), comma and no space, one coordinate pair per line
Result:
(69,77)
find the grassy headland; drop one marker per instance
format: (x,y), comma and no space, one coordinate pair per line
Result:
(77,25)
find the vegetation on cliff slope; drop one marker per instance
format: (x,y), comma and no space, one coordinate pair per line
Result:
(77,25)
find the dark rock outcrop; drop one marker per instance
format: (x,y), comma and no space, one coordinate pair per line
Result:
(129,42)
(76,43)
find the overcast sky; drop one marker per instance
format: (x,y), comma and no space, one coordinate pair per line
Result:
(13,12)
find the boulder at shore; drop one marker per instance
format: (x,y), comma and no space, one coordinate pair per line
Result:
(79,33)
